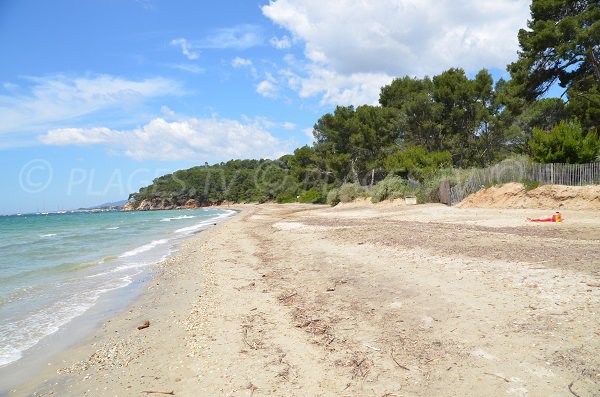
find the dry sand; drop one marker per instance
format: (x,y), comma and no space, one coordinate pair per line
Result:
(515,195)
(358,301)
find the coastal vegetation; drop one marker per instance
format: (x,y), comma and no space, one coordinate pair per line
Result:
(425,127)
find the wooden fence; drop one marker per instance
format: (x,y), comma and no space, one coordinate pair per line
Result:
(520,171)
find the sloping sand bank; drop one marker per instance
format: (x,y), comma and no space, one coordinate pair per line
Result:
(376,301)
(514,195)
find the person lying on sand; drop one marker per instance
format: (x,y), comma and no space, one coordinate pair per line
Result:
(554,218)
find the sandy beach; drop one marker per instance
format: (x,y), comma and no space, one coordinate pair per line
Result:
(356,300)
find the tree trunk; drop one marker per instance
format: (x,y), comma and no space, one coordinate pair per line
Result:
(353,171)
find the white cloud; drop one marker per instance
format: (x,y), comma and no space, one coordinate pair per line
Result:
(240,62)
(336,88)
(61,98)
(239,37)
(356,43)
(78,136)
(268,87)
(281,43)
(186,48)
(188,67)
(164,109)
(309,132)
(212,139)
(10,86)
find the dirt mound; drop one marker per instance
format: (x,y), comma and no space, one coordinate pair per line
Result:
(514,195)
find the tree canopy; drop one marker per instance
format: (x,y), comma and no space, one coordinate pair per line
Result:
(562,46)
(425,125)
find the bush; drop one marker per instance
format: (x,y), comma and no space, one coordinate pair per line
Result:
(416,162)
(428,189)
(530,185)
(286,198)
(565,143)
(390,188)
(333,197)
(312,196)
(350,191)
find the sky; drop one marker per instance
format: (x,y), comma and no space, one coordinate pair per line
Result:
(99,97)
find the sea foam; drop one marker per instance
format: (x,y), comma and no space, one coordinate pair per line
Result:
(144,248)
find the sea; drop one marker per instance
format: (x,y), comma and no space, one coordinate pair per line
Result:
(55,267)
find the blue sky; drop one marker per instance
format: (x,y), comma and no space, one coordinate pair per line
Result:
(97,98)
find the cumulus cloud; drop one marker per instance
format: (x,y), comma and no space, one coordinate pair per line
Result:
(240,62)
(267,87)
(186,48)
(164,109)
(61,98)
(361,42)
(281,43)
(287,125)
(77,136)
(212,139)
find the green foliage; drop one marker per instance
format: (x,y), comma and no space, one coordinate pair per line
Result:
(562,45)
(285,198)
(424,126)
(416,162)
(350,191)
(544,114)
(312,196)
(352,142)
(390,188)
(565,143)
(530,185)
(333,197)
(236,180)
(450,113)
(428,189)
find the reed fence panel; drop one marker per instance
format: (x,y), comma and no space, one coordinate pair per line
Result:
(519,171)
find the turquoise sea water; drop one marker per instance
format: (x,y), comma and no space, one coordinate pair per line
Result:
(55,267)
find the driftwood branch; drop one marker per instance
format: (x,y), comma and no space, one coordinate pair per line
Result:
(497,376)
(571,390)
(288,297)
(170,393)
(396,361)
(372,348)
(145,325)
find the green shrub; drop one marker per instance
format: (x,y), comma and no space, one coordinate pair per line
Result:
(428,189)
(390,188)
(333,197)
(286,198)
(312,196)
(417,162)
(565,143)
(350,191)
(530,185)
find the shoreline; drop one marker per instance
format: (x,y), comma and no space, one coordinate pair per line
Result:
(301,300)
(78,331)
